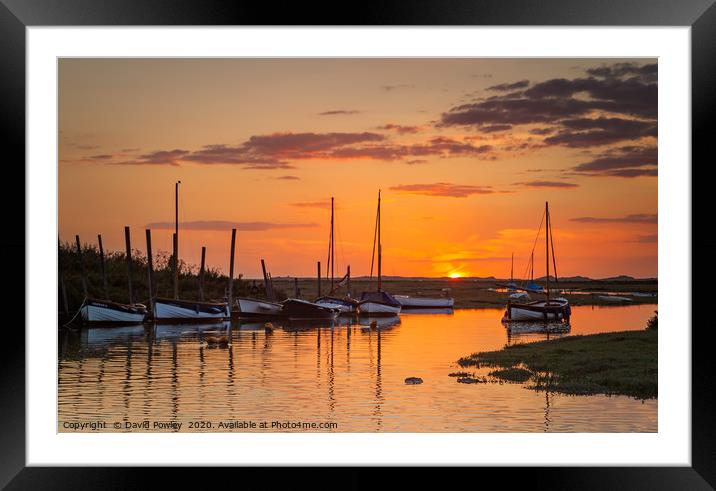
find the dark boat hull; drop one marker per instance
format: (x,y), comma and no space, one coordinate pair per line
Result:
(295,309)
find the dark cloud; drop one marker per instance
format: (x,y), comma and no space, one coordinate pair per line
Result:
(522,84)
(637,218)
(548,184)
(623,96)
(101,157)
(159,157)
(496,127)
(628,161)
(227,225)
(390,88)
(444,189)
(288,178)
(588,132)
(416,161)
(339,112)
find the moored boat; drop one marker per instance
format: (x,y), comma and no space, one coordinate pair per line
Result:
(105,311)
(297,309)
(173,310)
(378,303)
(257,308)
(550,309)
(408,302)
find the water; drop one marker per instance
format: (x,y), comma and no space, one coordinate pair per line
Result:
(345,378)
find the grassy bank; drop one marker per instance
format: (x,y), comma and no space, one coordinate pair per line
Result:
(623,363)
(215,283)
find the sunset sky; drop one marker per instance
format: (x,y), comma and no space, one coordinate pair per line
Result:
(465,151)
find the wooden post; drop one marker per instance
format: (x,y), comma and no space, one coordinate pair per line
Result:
(267,287)
(129,262)
(348,283)
(150,265)
(295,287)
(176,268)
(104,270)
(319,278)
(201,273)
(231,268)
(82,266)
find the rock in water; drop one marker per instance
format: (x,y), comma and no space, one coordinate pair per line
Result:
(413,380)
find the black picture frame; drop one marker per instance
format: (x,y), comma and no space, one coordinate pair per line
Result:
(16,15)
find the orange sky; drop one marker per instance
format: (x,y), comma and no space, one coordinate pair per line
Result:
(466,152)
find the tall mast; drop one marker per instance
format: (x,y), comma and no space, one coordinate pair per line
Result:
(546,211)
(532,267)
(176,239)
(380,252)
(512,268)
(332,245)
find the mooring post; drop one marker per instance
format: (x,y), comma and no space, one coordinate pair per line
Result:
(231,269)
(150,265)
(267,288)
(129,262)
(348,284)
(82,265)
(104,270)
(176,267)
(201,273)
(319,278)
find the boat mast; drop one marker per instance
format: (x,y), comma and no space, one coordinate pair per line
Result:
(379,247)
(332,246)
(512,268)
(546,211)
(176,239)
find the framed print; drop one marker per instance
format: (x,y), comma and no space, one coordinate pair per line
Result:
(413,237)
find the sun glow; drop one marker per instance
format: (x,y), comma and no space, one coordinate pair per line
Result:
(455,275)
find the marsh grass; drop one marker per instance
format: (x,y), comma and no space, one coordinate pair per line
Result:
(620,363)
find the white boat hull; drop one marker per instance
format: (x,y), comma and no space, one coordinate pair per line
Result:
(96,313)
(539,311)
(375,308)
(424,303)
(342,308)
(518,314)
(167,311)
(250,307)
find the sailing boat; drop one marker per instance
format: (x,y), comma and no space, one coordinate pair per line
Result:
(378,302)
(175,310)
(532,286)
(556,309)
(344,305)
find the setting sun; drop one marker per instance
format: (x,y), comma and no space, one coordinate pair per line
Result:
(455,275)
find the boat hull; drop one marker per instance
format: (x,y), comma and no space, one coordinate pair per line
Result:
(424,303)
(97,311)
(255,308)
(369,307)
(184,311)
(539,311)
(295,309)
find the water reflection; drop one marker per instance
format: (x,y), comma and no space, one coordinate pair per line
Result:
(350,371)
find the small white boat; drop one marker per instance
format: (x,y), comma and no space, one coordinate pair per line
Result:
(254,307)
(614,298)
(171,310)
(112,312)
(520,296)
(408,302)
(378,303)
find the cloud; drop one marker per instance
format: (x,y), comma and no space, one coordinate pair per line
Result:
(627,161)
(522,84)
(622,96)
(339,112)
(398,128)
(647,239)
(288,178)
(445,189)
(159,157)
(217,225)
(588,132)
(636,218)
(495,127)
(548,184)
